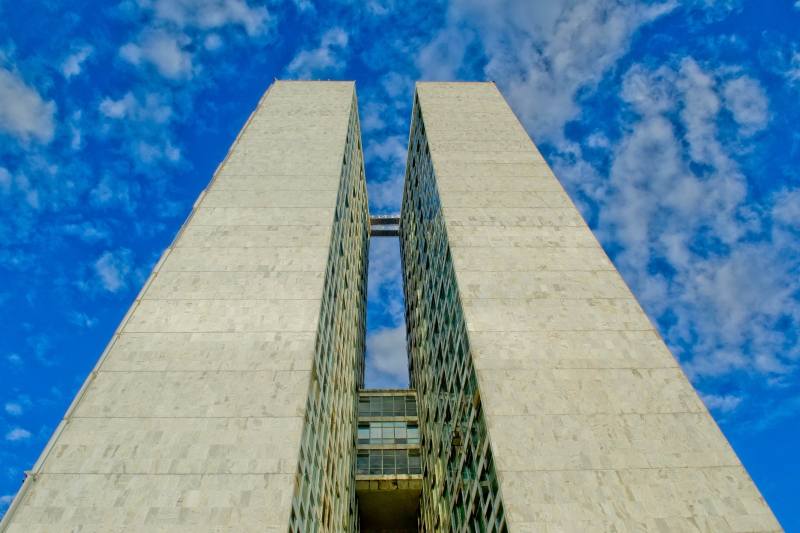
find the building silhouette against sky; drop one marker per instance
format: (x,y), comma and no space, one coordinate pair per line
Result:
(231,397)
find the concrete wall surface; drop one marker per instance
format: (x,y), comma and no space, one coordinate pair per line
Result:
(594,426)
(193,420)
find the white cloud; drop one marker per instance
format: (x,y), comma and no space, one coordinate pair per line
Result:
(392,148)
(371,119)
(724,404)
(21,184)
(326,60)
(385,276)
(5,180)
(380,8)
(786,208)
(441,59)
(598,140)
(540,53)
(112,191)
(164,50)
(89,232)
(23,112)
(797,4)
(14,409)
(398,86)
(793,73)
(715,9)
(6,500)
(41,344)
(212,42)
(167,40)
(304,5)
(387,361)
(73,64)
(114,269)
(210,14)
(129,107)
(148,153)
(385,190)
(82,319)
(143,122)
(14,359)
(18,434)
(77,137)
(676,197)
(748,102)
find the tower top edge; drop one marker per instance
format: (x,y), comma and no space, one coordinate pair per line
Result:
(456,82)
(315,81)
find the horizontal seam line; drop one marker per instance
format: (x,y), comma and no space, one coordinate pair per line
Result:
(178,246)
(289,487)
(249,371)
(228,331)
(231,299)
(495,415)
(551,330)
(623,469)
(631,299)
(189,417)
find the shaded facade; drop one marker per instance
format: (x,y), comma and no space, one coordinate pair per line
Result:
(231,396)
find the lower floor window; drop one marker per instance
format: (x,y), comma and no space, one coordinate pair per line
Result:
(387,462)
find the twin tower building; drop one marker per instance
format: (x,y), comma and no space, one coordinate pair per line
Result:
(231,400)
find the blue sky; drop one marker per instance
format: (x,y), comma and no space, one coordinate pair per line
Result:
(670,124)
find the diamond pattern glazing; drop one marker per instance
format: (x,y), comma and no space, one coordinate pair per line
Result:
(460,488)
(324,497)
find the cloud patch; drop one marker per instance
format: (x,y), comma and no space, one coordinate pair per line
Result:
(167,41)
(14,409)
(165,50)
(675,206)
(18,434)
(324,61)
(143,122)
(723,404)
(540,53)
(114,269)
(73,64)
(23,112)
(210,14)
(746,99)
(387,361)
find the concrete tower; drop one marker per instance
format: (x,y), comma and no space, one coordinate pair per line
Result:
(547,401)
(193,419)
(231,397)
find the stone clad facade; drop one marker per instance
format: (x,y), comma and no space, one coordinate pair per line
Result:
(544,400)
(194,420)
(593,425)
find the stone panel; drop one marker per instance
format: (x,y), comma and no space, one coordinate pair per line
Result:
(203,352)
(155,503)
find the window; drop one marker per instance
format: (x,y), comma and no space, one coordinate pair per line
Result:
(386,406)
(388,433)
(387,462)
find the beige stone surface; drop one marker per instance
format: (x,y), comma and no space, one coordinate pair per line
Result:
(193,422)
(594,426)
